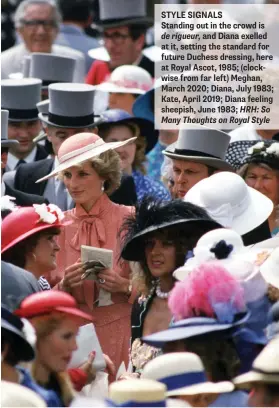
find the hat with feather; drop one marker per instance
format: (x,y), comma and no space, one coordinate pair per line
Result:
(155,215)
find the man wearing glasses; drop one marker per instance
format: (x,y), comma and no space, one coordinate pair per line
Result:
(123,25)
(37,23)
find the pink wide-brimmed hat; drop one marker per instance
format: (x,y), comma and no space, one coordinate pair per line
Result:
(80,148)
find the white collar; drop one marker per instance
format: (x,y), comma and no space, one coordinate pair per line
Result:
(3,188)
(55,163)
(13,160)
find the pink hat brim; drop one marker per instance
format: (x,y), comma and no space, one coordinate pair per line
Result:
(76,160)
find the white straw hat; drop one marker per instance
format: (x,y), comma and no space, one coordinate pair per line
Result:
(80,148)
(241,262)
(137,391)
(228,200)
(270,269)
(183,374)
(127,79)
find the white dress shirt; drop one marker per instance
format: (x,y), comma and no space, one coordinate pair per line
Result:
(13,160)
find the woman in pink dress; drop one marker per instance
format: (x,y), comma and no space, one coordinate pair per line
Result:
(90,170)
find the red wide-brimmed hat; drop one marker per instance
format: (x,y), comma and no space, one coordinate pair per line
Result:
(26,221)
(47,302)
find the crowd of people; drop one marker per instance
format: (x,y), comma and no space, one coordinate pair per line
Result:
(178,301)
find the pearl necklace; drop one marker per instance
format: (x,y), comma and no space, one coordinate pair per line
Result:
(160,294)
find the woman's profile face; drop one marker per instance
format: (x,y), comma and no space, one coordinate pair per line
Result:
(127,153)
(265,181)
(83,183)
(160,254)
(55,350)
(44,253)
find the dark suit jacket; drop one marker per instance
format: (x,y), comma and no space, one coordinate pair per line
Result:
(24,199)
(41,153)
(148,65)
(27,175)
(16,284)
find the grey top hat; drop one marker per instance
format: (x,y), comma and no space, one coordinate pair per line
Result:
(19,97)
(52,68)
(122,12)
(5,142)
(42,108)
(70,106)
(26,66)
(201,145)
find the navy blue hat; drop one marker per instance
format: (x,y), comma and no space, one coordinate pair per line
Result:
(273,321)
(143,106)
(120,116)
(14,326)
(192,327)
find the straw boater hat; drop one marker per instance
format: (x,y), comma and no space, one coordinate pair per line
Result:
(5,142)
(80,148)
(191,327)
(228,200)
(52,68)
(183,374)
(138,393)
(127,79)
(201,145)
(70,106)
(20,97)
(265,369)
(122,12)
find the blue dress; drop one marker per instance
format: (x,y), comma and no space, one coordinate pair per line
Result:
(147,186)
(231,399)
(155,160)
(50,397)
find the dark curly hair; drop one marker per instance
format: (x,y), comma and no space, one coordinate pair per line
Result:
(218,354)
(17,255)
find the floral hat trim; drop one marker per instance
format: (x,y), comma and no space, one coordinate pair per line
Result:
(262,149)
(49,214)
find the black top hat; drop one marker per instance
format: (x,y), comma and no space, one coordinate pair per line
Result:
(15,327)
(20,97)
(153,215)
(123,12)
(253,151)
